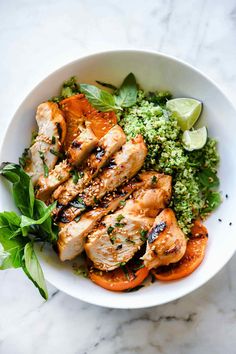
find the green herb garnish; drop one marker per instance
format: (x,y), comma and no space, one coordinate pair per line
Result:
(112,239)
(122,202)
(154,179)
(75,177)
(100,99)
(119,224)
(110,230)
(19,232)
(57,153)
(45,167)
(105,84)
(81,270)
(143,234)
(127,93)
(23,160)
(120,217)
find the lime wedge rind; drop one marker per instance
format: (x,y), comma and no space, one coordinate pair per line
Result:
(194,139)
(185,110)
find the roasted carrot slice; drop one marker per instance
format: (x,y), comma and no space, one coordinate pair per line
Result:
(101,122)
(123,278)
(77,111)
(192,258)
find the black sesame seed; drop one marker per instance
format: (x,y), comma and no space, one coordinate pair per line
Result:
(230,223)
(219,220)
(226,196)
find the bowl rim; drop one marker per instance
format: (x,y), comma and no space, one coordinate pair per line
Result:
(137,51)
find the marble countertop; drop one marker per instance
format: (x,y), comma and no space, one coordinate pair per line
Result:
(36,37)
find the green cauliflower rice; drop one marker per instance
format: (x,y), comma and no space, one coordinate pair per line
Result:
(194,173)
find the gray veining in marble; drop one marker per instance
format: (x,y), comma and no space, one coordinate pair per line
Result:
(37,37)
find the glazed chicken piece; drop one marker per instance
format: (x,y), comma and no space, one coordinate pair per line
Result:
(122,167)
(46,185)
(166,242)
(110,143)
(122,233)
(51,134)
(78,111)
(72,235)
(81,147)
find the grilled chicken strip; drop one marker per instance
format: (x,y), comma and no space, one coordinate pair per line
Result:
(81,147)
(51,134)
(46,185)
(110,143)
(72,235)
(122,234)
(123,166)
(79,151)
(166,242)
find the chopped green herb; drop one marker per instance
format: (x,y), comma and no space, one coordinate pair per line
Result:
(122,202)
(119,224)
(154,179)
(23,160)
(110,230)
(143,234)
(105,84)
(139,267)
(75,176)
(77,218)
(53,140)
(119,217)
(56,153)
(96,200)
(33,137)
(112,239)
(81,270)
(45,167)
(125,270)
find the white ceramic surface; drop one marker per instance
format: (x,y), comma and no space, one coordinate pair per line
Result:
(153,71)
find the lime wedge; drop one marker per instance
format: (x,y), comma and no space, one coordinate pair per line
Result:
(194,139)
(185,110)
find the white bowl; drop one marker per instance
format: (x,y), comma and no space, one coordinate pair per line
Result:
(153,71)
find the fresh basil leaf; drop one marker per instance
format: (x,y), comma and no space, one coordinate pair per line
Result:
(3,255)
(127,94)
(48,230)
(10,218)
(208,179)
(26,221)
(100,99)
(213,200)
(23,192)
(105,84)
(33,270)
(14,247)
